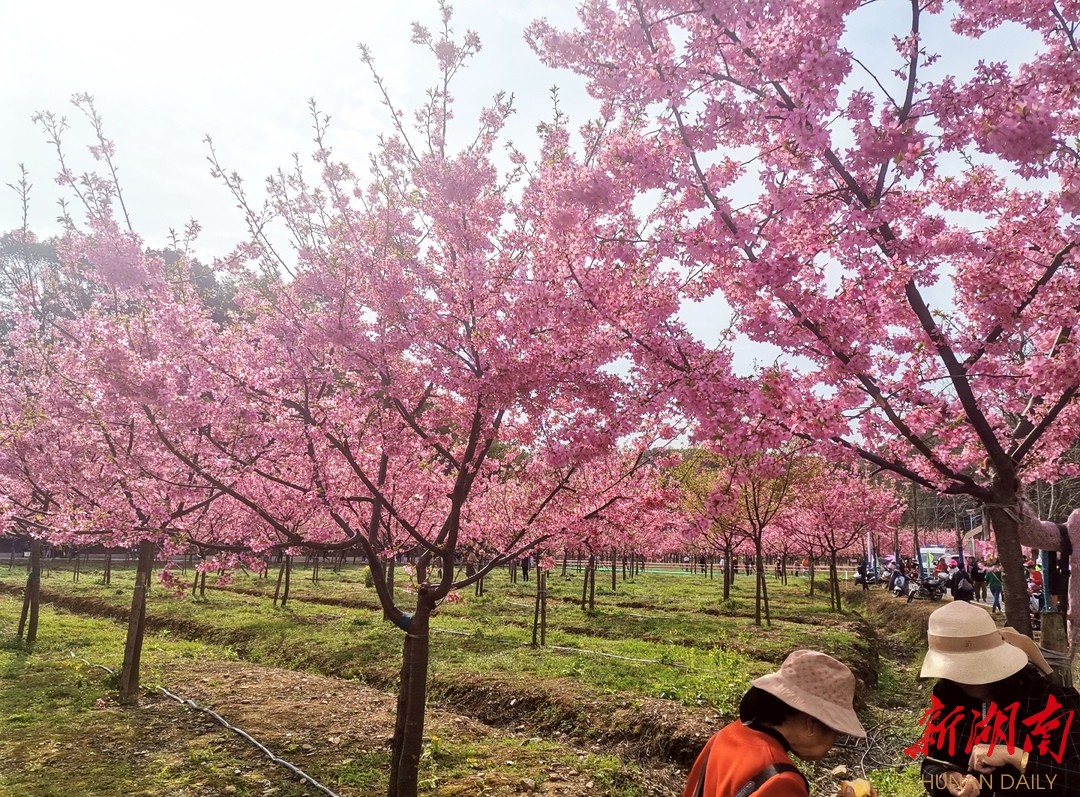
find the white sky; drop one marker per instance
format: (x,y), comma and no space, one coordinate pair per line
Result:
(165,75)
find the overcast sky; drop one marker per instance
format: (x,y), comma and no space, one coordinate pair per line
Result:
(165,75)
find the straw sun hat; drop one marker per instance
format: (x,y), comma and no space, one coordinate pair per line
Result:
(818,685)
(967,647)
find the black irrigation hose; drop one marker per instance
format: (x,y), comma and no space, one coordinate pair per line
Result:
(225,723)
(239,731)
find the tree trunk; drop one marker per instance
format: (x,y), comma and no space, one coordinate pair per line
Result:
(106,577)
(129,673)
(284,579)
(959,538)
(389,569)
(1007,534)
(834,582)
(915,528)
(613,563)
(543,607)
(1053,636)
(280,579)
(592,586)
(762,596)
(412,698)
(540,610)
(32,597)
(727,574)
(759,583)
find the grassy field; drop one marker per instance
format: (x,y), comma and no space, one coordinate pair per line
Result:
(60,735)
(638,682)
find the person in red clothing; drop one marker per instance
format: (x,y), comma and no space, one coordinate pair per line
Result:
(1035,577)
(800,710)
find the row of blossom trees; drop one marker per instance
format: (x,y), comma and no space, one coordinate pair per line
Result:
(904,230)
(781,504)
(412,370)
(422,355)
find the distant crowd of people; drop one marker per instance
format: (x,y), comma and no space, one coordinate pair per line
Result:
(977,580)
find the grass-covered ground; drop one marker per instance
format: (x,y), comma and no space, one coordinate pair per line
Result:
(638,683)
(61,733)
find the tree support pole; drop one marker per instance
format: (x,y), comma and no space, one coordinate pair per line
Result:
(32,597)
(1006,532)
(129,675)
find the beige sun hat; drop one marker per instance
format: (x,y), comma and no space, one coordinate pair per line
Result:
(966,646)
(818,685)
(1027,644)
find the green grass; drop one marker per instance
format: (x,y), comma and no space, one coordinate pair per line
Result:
(62,734)
(662,636)
(702,658)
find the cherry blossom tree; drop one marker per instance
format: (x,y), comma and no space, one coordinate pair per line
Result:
(78,462)
(73,458)
(750,498)
(417,369)
(708,528)
(634,511)
(835,510)
(909,234)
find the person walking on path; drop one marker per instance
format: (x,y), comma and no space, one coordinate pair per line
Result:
(960,583)
(862,574)
(978,578)
(993,583)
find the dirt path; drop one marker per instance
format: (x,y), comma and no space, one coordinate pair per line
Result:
(327,727)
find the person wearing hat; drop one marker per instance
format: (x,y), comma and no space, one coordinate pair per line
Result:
(959,583)
(799,709)
(977,665)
